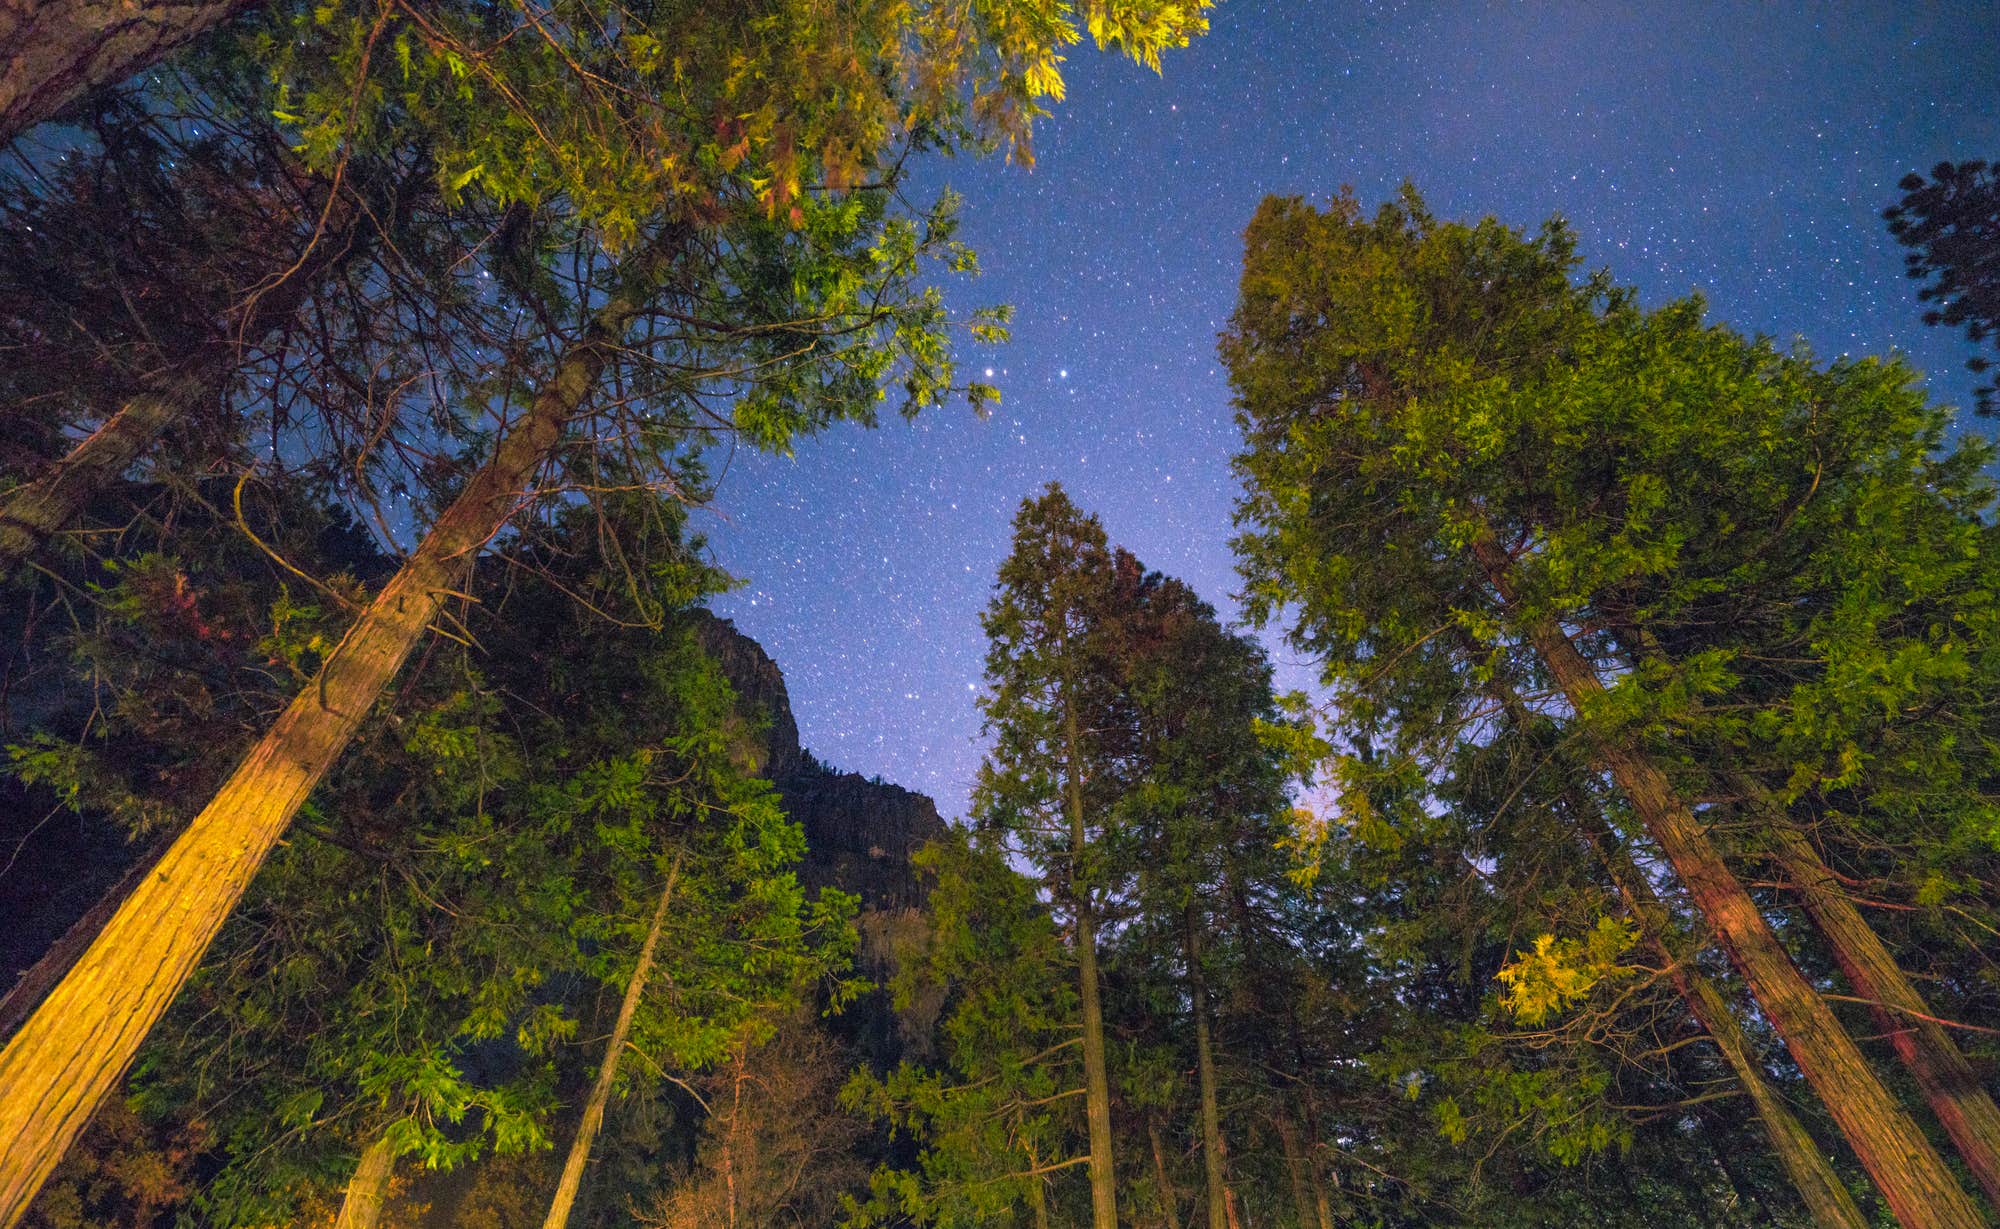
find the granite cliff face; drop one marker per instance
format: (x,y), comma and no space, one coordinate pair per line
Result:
(859,832)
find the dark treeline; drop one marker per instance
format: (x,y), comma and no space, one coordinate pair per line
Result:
(389,848)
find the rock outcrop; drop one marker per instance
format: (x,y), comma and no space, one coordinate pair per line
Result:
(860,832)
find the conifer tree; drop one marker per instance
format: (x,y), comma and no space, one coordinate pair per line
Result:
(1951,224)
(408,978)
(996,1117)
(1443,432)
(1050,783)
(1201,810)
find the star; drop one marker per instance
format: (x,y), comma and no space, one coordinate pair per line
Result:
(1123,249)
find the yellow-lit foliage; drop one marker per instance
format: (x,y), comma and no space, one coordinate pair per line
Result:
(1558,972)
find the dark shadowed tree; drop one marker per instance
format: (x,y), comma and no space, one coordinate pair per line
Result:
(1951,224)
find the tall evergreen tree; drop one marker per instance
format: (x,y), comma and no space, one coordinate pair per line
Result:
(1050,782)
(1201,810)
(1444,432)
(408,978)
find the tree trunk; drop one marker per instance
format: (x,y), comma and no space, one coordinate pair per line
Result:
(78,1044)
(46,973)
(1820,1189)
(1322,1205)
(1169,1198)
(368,1189)
(35,510)
(1038,1194)
(1204,1058)
(1097,1084)
(1919,1188)
(1947,1081)
(54,52)
(607,1071)
(1300,1168)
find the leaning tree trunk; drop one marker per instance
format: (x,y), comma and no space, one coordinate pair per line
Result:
(368,1189)
(1914,1180)
(54,52)
(78,1044)
(47,973)
(1204,1057)
(1097,1084)
(607,1072)
(35,510)
(1947,1081)
(1825,1197)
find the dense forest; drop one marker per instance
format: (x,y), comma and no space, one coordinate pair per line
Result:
(392,835)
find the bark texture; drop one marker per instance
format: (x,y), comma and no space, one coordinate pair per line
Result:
(607,1071)
(1919,1188)
(1826,1199)
(368,1189)
(1299,1166)
(1961,1104)
(33,511)
(78,1044)
(45,974)
(54,52)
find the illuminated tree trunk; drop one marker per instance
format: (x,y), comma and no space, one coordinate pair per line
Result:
(1820,1189)
(1204,1057)
(46,973)
(607,1071)
(54,52)
(80,1041)
(1948,1083)
(1913,1179)
(1097,1084)
(1169,1198)
(368,1189)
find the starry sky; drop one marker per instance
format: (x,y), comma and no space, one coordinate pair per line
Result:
(1742,150)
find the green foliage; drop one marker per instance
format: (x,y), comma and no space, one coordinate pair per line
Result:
(611,110)
(1558,972)
(418,963)
(1005,1101)
(1779,566)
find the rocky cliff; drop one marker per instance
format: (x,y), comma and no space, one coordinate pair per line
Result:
(859,832)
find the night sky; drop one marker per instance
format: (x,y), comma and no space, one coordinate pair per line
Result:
(1744,151)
